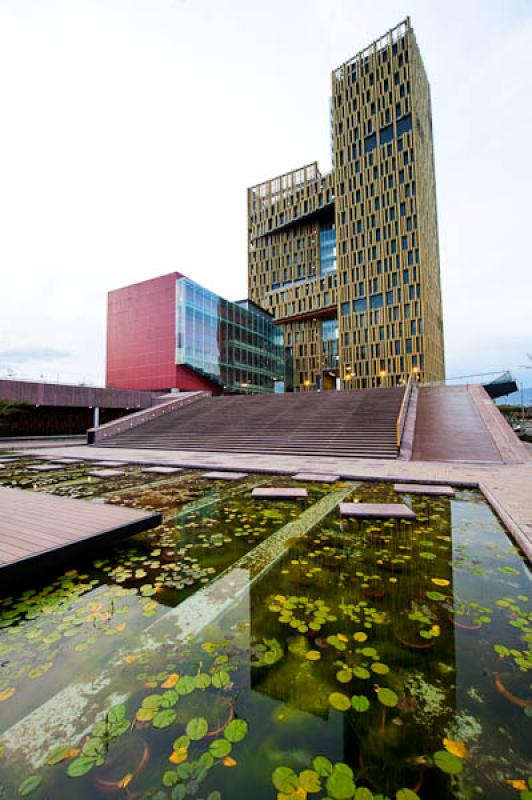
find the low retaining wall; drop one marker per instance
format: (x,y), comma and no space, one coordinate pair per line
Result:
(102,432)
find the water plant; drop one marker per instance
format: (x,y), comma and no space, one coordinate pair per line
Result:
(301,613)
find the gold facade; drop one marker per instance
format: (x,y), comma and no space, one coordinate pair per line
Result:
(379,205)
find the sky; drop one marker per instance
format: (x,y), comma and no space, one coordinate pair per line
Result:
(132,128)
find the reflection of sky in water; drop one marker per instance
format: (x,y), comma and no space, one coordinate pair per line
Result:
(488,721)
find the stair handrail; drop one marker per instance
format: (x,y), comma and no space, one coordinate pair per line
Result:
(401,417)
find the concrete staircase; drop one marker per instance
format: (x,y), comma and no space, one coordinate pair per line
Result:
(359,424)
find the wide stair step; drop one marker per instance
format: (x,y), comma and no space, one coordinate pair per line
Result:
(355,424)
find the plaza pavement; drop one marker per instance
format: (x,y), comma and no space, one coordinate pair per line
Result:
(507,487)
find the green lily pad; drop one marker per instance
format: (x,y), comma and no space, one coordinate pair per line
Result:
(363,794)
(380,669)
(362,673)
(196,728)
(340,785)
(220,748)
(447,762)
(310,780)
(164,718)
(236,730)
(80,766)
(58,754)
(29,785)
(387,697)
(285,780)
(220,679)
(437,597)
(339,701)
(344,675)
(181,743)
(116,713)
(360,703)
(322,766)
(185,685)
(406,794)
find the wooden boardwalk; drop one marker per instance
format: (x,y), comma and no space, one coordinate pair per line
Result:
(39,531)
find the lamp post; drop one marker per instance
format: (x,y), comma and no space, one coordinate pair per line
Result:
(522,401)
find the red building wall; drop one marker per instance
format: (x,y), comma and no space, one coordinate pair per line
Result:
(141,339)
(141,335)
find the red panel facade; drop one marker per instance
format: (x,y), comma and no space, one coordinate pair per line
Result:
(141,340)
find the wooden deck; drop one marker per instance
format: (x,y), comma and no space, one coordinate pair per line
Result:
(39,531)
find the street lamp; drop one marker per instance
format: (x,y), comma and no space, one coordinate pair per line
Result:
(522,401)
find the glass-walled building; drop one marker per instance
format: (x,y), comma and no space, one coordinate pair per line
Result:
(233,344)
(170,333)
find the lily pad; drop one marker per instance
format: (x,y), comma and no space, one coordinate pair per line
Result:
(339,701)
(58,754)
(360,703)
(29,785)
(220,748)
(196,728)
(340,785)
(236,730)
(80,766)
(447,762)
(387,697)
(310,781)
(164,718)
(285,780)
(322,766)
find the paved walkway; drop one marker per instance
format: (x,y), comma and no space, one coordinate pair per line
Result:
(449,427)
(507,487)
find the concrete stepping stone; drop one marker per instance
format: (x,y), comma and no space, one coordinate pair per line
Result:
(423,488)
(320,477)
(7,459)
(377,511)
(224,476)
(106,473)
(279,493)
(46,468)
(110,463)
(162,470)
(67,461)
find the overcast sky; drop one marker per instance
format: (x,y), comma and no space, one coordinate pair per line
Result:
(130,130)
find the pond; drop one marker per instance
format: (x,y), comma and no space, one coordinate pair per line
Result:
(275,650)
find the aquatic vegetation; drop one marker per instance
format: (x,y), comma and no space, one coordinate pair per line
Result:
(217,654)
(301,613)
(337,780)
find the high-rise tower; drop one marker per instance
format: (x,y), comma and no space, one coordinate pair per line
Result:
(348,262)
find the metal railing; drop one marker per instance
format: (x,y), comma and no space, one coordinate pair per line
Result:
(466,380)
(401,417)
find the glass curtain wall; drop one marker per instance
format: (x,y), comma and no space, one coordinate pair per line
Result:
(234,344)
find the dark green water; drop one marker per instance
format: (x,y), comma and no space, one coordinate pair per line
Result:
(371,660)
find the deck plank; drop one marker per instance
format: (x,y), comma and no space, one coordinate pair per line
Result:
(39,531)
